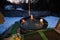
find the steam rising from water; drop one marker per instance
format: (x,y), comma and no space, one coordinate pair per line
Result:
(15,1)
(21,1)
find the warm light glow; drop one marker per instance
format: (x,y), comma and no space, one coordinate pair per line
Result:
(23,21)
(41,20)
(32,17)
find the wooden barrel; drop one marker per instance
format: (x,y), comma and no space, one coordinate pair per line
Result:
(1,18)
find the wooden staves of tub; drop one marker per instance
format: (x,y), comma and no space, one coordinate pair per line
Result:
(1,18)
(57,29)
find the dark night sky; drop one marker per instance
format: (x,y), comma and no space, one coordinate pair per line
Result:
(42,4)
(52,5)
(3,2)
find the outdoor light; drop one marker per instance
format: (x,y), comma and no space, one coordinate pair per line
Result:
(41,22)
(31,17)
(23,21)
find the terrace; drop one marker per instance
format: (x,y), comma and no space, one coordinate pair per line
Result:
(17,23)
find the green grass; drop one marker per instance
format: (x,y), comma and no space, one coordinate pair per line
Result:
(14,28)
(43,35)
(22,37)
